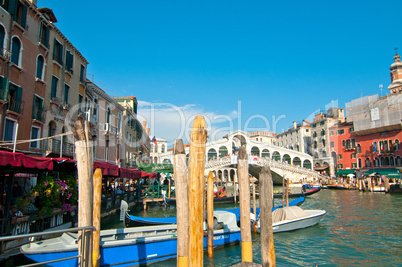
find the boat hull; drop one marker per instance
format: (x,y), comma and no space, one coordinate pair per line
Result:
(217,200)
(309,192)
(290,225)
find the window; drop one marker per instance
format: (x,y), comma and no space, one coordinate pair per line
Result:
(82,73)
(37,109)
(9,130)
(354,165)
(331,133)
(353,155)
(108,116)
(16,51)
(359,149)
(95,110)
(40,67)
(340,166)
(163,149)
(376,162)
(332,144)
(14,98)
(44,35)
(66,91)
(367,162)
(396,145)
(69,61)
(360,163)
(339,156)
(348,144)
(58,51)
(322,132)
(53,92)
(2,40)
(80,98)
(21,14)
(341,131)
(343,143)
(35,134)
(315,144)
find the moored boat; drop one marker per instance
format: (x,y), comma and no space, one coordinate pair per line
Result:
(302,193)
(293,218)
(130,246)
(217,200)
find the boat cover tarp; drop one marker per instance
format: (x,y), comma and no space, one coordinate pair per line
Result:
(288,213)
(161,220)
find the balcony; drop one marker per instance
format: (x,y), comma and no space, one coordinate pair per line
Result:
(52,146)
(39,115)
(15,105)
(110,129)
(350,147)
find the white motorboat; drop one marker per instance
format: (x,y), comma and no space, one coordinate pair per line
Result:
(293,218)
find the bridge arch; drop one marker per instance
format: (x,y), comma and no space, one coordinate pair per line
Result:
(307,164)
(255,151)
(297,161)
(286,158)
(225,175)
(232,175)
(276,156)
(265,153)
(212,154)
(223,151)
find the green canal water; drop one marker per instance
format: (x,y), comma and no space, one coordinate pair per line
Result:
(359,229)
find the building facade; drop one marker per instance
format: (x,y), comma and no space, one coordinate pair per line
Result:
(297,138)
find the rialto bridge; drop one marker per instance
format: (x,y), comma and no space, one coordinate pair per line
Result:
(221,159)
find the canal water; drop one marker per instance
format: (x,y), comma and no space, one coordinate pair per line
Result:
(359,229)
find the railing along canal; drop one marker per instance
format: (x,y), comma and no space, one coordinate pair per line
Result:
(32,236)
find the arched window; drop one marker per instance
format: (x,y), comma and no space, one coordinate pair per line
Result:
(323,142)
(315,144)
(255,151)
(40,67)
(322,132)
(367,162)
(324,154)
(376,162)
(392,162)
(265,153)
(397,145)
(276,156)
(162,148)
(386,161)
(316,155)
(359,149)
(223,151)
(398,161)
(360,163)
(386,148)
(16,51)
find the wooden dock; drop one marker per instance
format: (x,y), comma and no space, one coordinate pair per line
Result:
(151,199)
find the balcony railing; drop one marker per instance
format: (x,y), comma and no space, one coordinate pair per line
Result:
(53,146)
(39,114)
(15,105)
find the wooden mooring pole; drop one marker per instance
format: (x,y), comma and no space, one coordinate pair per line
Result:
(244,197)
(266,231)
(196,185)
(97,212)
(84,153)
(180,172)
(254,207)
(210,214)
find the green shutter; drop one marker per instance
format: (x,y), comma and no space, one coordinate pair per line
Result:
(24,16)
(40,31)
(47,37)
(54,48)
(34,107)
(60,59)
(12,6)
(18,98)
(4,87)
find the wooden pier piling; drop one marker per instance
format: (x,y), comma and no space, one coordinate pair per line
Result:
(85,161)
(96,217)
(196,185)
(266,231)
(244,196)
(180,172)
(210,214)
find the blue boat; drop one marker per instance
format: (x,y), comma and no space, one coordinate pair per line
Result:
(135,221)
(130,246)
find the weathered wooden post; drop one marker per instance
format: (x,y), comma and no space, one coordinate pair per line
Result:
(196,184)
(287,192)
(97,213)
(369,185)
(180,172)
(386,183)
(210,214)
(84,152)
(283,191)
(244,197)
(254,206)
(266,231)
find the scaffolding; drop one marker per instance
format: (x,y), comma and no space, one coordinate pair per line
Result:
(371,112)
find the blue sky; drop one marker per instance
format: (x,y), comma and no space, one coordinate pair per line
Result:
(274,58)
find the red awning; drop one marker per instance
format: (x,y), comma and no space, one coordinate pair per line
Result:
(130,173)
(107,168)
(146,174)
(20,160)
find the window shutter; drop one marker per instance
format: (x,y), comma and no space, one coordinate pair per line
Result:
(60,59)
(47,37)
(24,16)
(54,49)
(34,107)
(12,6)
(18,98)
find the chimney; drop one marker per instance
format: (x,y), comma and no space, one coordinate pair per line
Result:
(148,131)
(294,125)
(34,2)
(144,124)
